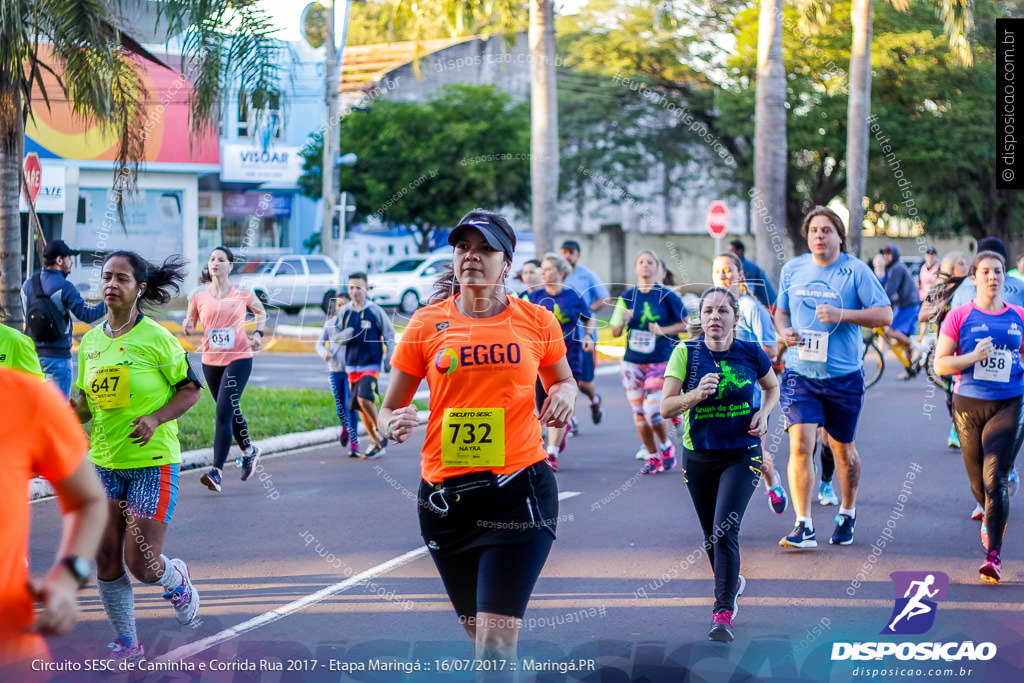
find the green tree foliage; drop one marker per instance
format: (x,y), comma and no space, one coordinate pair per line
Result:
(635,104)
(938,121)
(423,166)
(97,56)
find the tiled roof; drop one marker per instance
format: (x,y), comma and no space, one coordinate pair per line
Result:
(365,65)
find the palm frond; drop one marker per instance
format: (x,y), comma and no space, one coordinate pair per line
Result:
(958,19)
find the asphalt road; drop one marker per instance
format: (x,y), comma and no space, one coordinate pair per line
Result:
(624,591)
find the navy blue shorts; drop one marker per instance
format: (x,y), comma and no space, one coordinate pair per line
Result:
(586,373)
(905,319)
(834,403)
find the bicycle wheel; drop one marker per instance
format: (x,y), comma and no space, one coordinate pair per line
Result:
(938,380)
(874,364)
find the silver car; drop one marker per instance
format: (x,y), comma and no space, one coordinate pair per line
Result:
(409,283)
(292,282)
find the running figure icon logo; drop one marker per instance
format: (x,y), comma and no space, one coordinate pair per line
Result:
(914,613)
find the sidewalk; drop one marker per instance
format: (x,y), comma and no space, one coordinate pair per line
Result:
(300,339)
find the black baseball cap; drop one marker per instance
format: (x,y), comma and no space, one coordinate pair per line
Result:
(56,248)
(497,236)
(931,250)
(571,245)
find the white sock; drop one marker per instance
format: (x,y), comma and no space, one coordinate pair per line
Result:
(808,522)
(851,511)
(171,578)
(119,604)
(552,450)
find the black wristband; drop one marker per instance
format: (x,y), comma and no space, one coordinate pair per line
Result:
(259,332)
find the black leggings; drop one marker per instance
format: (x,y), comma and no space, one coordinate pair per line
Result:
(990,435)
(495,578)
(721,483)
(226,383)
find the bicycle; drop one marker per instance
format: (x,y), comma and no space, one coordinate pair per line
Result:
(874,356)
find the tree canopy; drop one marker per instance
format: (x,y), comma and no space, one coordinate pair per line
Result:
(424,165)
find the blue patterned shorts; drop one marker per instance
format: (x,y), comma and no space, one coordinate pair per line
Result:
(148,492)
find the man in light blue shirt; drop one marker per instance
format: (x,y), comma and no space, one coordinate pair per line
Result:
(593,292)
(825,297)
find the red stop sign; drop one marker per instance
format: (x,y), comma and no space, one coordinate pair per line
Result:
(718,219)
(33,176)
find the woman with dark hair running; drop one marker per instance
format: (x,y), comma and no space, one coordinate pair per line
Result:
(134,381)
(713,382)
(980,344)
(569,310)
(754,324)
(488,503)
(652,316)
(227,358)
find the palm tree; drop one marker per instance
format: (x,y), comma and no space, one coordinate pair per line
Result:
(770,138)
(958,18)
(86,44)
(543,125)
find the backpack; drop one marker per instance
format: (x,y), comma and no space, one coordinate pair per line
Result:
(45,319)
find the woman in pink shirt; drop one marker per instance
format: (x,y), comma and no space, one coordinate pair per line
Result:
(227,358)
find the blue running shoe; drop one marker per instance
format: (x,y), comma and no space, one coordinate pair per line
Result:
(248,462)
(122,650)
(827,494)
(843,534)
(1012,483)
(668,457)
(211,479)
(802,537)
(653,466)
(954,439)
(777,500)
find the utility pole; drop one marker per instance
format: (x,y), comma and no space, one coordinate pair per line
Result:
(332,239)
(330,137)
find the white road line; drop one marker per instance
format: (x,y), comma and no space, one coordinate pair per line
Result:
(192,649)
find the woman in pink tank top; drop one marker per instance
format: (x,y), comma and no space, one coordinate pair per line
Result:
(227,358)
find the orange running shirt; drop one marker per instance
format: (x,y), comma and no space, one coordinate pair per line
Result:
(224,338)
(474,363)
(39,433)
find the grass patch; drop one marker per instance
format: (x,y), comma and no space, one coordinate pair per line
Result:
(269,412)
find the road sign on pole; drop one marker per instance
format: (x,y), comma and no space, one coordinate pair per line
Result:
(718,219)
(33,176)
(718,222)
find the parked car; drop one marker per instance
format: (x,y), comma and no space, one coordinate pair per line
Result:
(291,282)
(409,283)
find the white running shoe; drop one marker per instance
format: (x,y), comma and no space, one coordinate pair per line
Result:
(184,599)
(642,454)
(978,513)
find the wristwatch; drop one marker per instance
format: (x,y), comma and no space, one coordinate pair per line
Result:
(79,567)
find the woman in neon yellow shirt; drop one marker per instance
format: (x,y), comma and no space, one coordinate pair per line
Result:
(134,381)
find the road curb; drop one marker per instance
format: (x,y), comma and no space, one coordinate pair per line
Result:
(203,457)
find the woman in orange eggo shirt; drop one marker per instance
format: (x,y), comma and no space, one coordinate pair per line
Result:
(488,502)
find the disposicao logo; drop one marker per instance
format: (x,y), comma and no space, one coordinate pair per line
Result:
(448,367)
(914,613)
